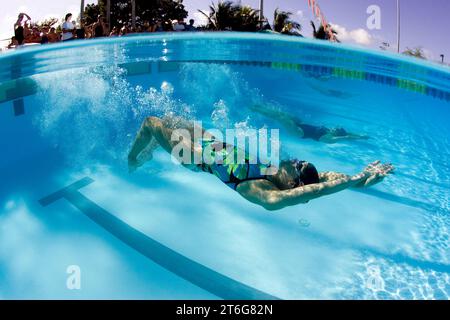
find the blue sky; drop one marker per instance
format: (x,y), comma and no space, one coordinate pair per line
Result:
(424,22)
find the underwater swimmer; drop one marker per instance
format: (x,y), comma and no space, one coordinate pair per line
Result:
(306,131)
(295,182)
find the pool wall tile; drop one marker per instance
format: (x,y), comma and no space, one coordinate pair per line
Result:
(168,66)
(137,68)
(16,89)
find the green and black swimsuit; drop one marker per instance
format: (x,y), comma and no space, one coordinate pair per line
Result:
(229,172)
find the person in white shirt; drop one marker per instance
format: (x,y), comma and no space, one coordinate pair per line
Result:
(68,28)
(177,26)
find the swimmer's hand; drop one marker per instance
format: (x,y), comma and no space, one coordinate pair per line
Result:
(374,173)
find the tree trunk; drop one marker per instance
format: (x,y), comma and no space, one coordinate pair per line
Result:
(261,11)
(108,15)
(133,13)
(81,11)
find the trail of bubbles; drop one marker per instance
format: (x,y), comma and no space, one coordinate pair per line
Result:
(93,114)
(211,88)
(220,115)
(159,103)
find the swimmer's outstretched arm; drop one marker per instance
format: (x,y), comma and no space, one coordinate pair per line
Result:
(266,194)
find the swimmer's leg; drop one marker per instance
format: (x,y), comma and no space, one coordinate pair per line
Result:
(156,132)
(147,153)
(330,138)
(189,125)
(145,142)
(143,138)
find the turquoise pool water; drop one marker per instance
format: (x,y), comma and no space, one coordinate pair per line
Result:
(69,113)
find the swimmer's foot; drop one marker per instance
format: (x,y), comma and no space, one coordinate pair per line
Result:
(145,156)
(147,153)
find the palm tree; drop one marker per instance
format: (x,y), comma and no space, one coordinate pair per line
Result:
(225,15)
(247,19)
(281,19)
(220,16)
(322,34)
(415,52)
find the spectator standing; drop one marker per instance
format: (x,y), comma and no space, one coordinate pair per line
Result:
(44,35)
(124,30)
(159,27)
(13,43)
(35,36)
(168,26)
(53,36)
(177,26)
(19,28)
(190,26)
(68,28)
(114,32)
(99,27)
(81,32)
(148,27)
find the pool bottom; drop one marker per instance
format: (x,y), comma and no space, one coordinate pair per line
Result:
(325,259)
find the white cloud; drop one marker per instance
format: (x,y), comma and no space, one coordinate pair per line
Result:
(300,14)
(359,36)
